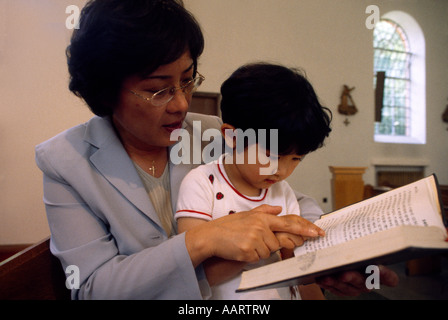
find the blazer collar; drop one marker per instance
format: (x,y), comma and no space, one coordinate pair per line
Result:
(99,131)
(111,159)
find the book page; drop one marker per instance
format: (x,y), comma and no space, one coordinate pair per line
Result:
(412,204)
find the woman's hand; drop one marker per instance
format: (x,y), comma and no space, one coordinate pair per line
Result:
(247,236)
(353,283)
(290,241)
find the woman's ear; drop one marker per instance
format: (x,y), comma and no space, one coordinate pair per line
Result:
(228,133)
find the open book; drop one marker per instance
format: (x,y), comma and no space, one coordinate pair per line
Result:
(401,224)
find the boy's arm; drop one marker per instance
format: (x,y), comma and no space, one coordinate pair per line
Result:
(196,194)
(216,269)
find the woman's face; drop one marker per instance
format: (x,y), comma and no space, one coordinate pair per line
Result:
(142,125)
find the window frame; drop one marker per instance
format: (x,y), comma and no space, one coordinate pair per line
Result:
(417,130)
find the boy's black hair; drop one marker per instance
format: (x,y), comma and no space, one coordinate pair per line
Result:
(269,96)
(119,38)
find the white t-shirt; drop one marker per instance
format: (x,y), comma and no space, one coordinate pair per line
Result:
(207,193)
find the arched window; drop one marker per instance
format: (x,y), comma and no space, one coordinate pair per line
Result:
(392,56)
(399,46)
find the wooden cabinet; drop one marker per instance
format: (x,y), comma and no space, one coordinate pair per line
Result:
(347,185)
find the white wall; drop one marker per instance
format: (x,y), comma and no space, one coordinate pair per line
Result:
(327,38)
(35,105)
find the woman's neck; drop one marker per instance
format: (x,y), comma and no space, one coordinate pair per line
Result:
(152,159)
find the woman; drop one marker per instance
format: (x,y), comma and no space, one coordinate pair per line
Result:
(109,187)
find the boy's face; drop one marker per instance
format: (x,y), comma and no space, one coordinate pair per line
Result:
(246,175)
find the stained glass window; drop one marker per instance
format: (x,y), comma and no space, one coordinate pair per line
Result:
(392,55)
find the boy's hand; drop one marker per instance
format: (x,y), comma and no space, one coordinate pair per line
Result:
(290,241)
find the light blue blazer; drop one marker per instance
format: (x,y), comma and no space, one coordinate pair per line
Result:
(102,221)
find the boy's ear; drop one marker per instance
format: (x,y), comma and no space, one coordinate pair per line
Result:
(228,133)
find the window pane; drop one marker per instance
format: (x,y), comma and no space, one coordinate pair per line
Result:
(391,54)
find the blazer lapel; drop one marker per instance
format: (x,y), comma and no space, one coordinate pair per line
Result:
(112,161)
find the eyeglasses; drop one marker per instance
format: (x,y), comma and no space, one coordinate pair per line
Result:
(162,97)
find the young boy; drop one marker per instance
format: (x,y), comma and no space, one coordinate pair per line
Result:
(256,96)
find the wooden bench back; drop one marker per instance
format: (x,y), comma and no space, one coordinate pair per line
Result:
(33,274)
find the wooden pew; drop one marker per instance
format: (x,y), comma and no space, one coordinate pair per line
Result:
(33,274)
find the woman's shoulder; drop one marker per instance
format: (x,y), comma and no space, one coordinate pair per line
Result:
(72,144)
(93,131)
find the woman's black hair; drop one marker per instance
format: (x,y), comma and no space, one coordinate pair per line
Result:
(118,38)
(269,96)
